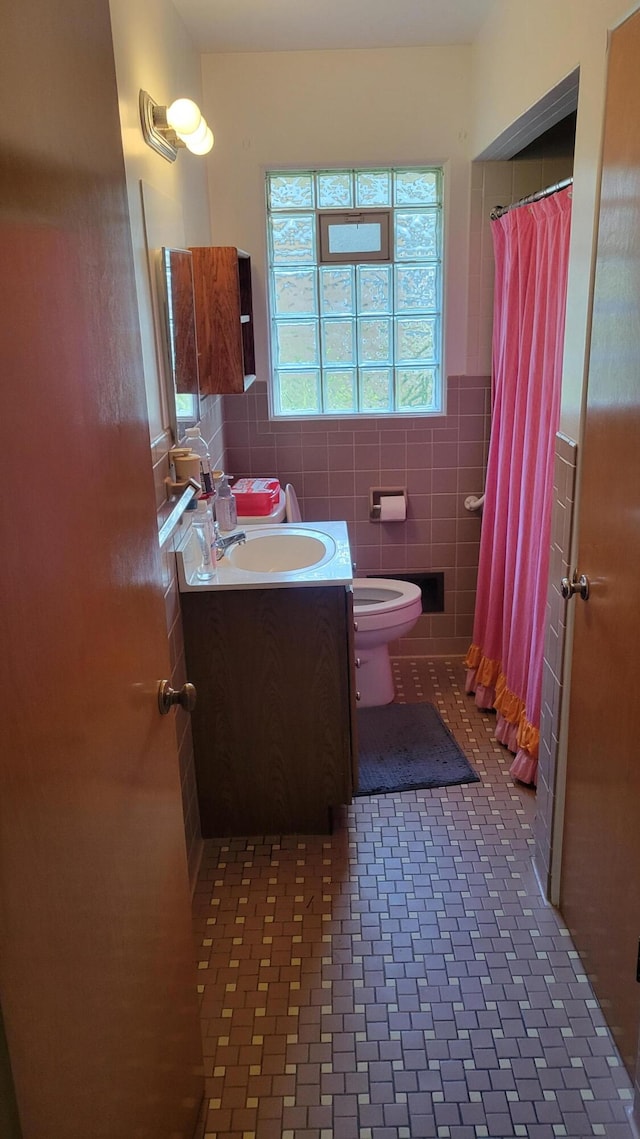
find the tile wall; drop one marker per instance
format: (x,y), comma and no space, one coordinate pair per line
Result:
(552,688)
(212,430)
(333,464)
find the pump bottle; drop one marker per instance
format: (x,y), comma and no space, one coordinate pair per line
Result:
(226,510)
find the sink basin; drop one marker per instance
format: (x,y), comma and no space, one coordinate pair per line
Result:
(282,552)
(281,556)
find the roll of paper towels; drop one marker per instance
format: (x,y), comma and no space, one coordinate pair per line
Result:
(393,508)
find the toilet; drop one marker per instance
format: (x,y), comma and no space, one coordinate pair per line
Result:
(383,611)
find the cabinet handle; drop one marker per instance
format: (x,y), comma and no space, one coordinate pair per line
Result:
(358,662)
(357,695)
(355,626)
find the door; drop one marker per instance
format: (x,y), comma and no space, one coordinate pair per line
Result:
(97,981)
(600,883)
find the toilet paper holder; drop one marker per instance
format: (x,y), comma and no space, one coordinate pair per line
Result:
(377,493)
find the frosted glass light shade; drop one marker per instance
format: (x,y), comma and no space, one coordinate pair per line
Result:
(197,136)
(200,147)
(184,116)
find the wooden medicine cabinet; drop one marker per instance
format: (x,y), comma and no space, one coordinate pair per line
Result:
(224,318)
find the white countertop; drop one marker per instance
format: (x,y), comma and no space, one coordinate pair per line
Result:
(333,568)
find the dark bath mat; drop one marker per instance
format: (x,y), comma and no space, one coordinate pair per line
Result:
(403,746)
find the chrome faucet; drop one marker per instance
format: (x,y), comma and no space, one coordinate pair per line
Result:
(224,544)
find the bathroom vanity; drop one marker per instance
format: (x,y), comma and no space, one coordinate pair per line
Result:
(271,656)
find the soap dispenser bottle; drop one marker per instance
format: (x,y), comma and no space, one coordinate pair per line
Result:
(226,510)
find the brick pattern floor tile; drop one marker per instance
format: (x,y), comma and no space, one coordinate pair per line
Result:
(403,977)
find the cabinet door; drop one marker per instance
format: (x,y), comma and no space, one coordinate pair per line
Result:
(224,318)
(271,728)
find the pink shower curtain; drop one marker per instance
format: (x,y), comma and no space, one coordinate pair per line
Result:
(531,245)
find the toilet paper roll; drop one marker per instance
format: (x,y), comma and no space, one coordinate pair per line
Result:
(393,508)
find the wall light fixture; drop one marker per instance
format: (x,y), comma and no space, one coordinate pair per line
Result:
(167,129)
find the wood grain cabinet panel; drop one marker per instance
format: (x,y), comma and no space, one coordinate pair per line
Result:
(272,724)
(224,318)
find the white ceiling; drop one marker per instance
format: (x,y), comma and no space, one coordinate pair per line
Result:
(307,25)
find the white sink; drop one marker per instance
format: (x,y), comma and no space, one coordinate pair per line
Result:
(280,552)
(286,555)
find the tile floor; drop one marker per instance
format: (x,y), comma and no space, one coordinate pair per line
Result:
(402,977)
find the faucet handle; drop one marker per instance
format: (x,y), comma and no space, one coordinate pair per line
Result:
(224,544)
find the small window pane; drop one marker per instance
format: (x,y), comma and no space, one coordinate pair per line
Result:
(354,236)
(294,292)
(296,343)
(336,291)
(293,239)
(416,389)
(416,288)
(374,289)
(416,234)
(340,390)
(416,187)
(290,191)
(373,188)
(359,237)
(374,341)
(338,342)
(299,393)
(335,190)
(375,389)
(416,340)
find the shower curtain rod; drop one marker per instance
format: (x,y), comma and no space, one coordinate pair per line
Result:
(498,211)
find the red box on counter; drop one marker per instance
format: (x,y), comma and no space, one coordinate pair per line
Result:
(256,497)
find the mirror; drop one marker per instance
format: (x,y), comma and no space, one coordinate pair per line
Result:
(176,289)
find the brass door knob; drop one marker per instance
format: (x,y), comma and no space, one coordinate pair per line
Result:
(168,696)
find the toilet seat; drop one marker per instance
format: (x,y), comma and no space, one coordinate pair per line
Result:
(381,602)
(292,507)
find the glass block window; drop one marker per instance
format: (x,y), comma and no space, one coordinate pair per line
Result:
(359,337)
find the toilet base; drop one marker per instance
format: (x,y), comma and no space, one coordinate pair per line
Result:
(374,679)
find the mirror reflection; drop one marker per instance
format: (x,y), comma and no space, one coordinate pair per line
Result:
(176,281)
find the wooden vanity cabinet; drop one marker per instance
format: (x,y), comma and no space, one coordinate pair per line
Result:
(272,726)
(224,318)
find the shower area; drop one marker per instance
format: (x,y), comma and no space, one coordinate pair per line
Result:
(528,201)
